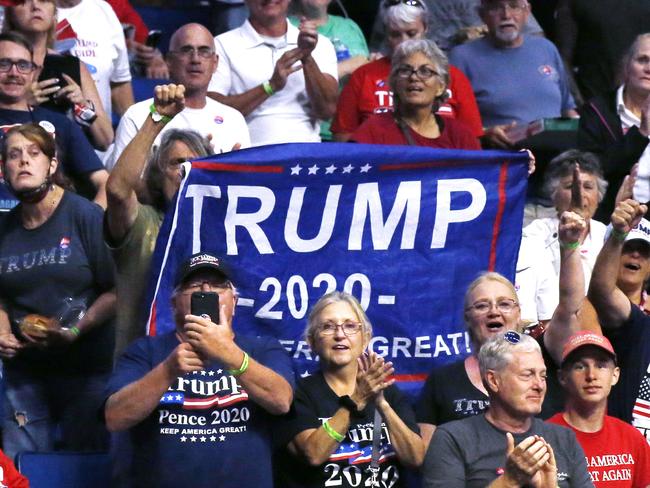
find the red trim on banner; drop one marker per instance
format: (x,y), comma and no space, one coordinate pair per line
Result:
(237,168)
(410,377)
(152,322)
(433,164)
(496,229)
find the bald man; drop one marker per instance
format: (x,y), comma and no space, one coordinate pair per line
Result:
(191,61)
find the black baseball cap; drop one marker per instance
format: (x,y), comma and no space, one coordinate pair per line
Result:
(199,261)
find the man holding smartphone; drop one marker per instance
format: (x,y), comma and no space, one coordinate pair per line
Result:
(199,400)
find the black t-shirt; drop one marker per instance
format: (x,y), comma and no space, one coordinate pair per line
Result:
(448,395)
(315,402)
(40,268)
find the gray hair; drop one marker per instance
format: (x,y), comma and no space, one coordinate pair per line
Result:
(629,55)
(433,53)
(562,166)
(401,13)
(195,142)
(326,300)
(497,352)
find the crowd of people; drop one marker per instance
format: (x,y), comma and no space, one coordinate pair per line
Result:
(556,389)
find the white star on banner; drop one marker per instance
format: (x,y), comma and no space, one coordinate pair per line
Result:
(313,169)
(210,373)
(296,169)
(203,373)
(219,371)
(193,439)
(305,374)
(348,169)
(183,439)
(213,438)
(222,438)
(365,168)
(203,439)
(330,169)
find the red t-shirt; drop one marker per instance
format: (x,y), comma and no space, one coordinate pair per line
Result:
(382,129)
(367,92)
(618,456)
(11,478)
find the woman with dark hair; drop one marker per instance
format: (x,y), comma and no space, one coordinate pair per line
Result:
(56,302)
(64,83)
(352,387)
(419,77)
(368,92)
(615,126)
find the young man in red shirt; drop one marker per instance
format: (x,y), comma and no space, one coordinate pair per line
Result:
(617,454)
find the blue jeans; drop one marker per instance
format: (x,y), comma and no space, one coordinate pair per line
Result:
(45,412)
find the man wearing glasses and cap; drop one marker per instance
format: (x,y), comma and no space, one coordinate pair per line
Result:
(615,450)
(507,446)
(199,401)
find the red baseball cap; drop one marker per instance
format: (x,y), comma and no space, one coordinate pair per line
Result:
(587,338)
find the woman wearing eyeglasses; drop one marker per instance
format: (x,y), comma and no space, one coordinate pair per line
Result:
(368,91)
(491,307)
(56,284)
(419,77)
(330,426)
(64,83)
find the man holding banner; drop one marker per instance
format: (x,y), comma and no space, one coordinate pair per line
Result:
(199,393)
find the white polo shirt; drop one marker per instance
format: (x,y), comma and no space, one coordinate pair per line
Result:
(246,60)
(224,124)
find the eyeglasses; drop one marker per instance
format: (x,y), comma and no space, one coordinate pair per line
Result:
(348,327)
(422,72)
(198,285)
(410,3)
(22,65)
(504,305)
(514,6)
(188,52)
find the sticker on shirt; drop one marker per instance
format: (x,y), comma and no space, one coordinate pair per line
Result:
(204,406)
(548,72)
(65,243)
(218,120)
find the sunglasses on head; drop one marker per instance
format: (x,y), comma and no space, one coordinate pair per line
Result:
(410,3)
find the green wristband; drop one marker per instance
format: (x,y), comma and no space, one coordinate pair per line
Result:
(268,89)
(242,369)
(75,331)
(570,245)
(332,433)
(619,236)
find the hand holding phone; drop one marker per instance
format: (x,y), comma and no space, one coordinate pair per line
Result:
(205,304)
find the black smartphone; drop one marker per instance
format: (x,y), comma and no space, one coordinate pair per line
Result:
(56,65)
(205,303)
(153,38)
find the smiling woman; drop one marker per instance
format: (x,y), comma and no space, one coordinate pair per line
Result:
(352,391)
(419,78)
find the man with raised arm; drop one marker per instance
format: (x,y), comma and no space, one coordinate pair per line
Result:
(198,401)
(626,325)
(191,60)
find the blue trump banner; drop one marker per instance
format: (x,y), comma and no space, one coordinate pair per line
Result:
(405,229)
